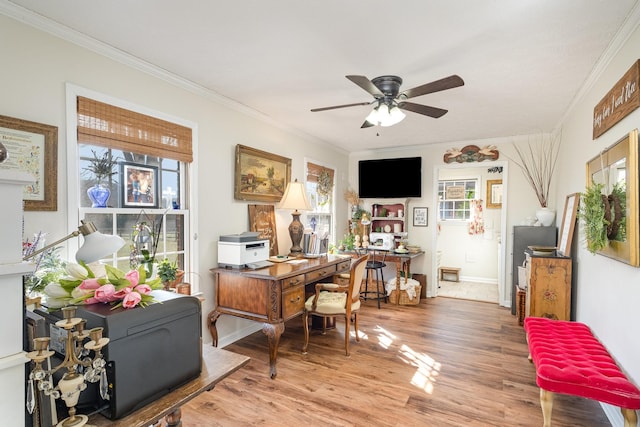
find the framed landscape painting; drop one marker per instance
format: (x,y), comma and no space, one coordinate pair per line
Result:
(260,176)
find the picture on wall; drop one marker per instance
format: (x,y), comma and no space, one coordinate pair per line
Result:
(139,185)
(260,176)
(263,220)
(33,148)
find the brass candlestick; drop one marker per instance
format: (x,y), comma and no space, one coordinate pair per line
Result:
(80,367)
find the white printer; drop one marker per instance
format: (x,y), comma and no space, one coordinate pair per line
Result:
(242,250)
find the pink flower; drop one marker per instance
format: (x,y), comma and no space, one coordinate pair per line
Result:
(131,300)
(105,293)
(87,287)
(133,277)
(122,293)
(91,300)
(143,289)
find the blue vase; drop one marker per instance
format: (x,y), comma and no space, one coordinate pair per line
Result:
(99,195)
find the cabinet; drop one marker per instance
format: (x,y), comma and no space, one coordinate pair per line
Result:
(389,218)
(524,236)
(548,287)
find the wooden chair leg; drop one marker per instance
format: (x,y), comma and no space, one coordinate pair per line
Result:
(347,332)
(630,417)
(546,403)
(355,324)
(305,324)
(324,325)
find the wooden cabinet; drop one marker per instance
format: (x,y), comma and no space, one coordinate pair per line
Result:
(548,287)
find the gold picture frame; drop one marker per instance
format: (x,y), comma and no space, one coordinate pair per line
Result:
(33,148)
(494,193)
(618,163)
(260,176)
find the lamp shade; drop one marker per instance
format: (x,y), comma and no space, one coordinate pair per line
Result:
(96,245)
(295,197)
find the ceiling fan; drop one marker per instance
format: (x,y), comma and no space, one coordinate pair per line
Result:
(390,101)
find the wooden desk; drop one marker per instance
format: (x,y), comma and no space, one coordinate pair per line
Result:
(217,364)
(270,295)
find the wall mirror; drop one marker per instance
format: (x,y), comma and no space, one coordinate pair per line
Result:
(618,164)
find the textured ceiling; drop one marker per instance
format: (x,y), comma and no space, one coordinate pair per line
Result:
(523,62)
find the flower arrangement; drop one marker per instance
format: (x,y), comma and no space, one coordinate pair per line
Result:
(120,289)
(102,167)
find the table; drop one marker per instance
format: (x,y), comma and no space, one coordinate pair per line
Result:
(217,364)
(270,295)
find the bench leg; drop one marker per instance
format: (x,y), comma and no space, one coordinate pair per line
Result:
(546,403)
(630,417)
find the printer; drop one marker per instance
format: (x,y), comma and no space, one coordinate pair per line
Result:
(238,250)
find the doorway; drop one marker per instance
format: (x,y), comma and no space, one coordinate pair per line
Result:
(475,247)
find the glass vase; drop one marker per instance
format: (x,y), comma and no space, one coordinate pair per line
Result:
(99,195)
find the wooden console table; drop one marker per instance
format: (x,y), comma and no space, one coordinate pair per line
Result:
(217,364)
(271,295)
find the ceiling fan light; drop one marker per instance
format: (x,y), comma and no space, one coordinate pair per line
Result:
(373,117)
(396,115)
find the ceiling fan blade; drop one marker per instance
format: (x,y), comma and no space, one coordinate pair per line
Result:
(422,109)
(366,84)
(366,124)
(435,86)
(339,106)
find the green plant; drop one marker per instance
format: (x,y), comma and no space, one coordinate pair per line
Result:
(102,167)
(592,214)
(348,242)
(167,271)
(49,269)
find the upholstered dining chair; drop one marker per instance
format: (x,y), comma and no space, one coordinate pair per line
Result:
(331,300)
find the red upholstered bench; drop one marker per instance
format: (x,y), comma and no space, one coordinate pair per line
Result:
(569,359)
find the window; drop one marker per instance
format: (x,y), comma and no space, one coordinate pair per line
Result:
(454,198)
(320,189)
(149,204)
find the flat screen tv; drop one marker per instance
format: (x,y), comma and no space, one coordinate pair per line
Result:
(390,178)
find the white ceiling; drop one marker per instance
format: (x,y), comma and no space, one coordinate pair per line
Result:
(523,61)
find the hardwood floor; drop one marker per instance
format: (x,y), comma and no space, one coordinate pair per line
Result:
(444,362)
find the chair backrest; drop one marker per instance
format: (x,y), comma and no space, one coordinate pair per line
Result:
(356,276)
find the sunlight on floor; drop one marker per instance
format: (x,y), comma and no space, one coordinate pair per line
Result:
(427,368)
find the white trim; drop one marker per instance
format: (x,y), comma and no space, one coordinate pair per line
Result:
(72,92)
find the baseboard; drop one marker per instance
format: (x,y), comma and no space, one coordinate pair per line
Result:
(613,414)
(479,279)
(239,334)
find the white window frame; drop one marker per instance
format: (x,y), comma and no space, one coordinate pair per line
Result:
(332,213)
(443,200)
(189,186)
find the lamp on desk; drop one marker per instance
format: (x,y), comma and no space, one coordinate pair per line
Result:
(295,197)
(96,245)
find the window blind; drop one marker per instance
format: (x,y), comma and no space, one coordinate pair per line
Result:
(110,126)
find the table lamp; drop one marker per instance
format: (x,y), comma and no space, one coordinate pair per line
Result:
(96,245)
(295,197)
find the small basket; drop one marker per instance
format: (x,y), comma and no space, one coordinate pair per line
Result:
(521,297)
(400,297)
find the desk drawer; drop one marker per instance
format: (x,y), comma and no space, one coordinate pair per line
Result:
(292,302)
(314,276)
(293,281)
(344,266)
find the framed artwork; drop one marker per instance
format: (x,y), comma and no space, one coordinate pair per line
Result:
(420,217)
(263,220)
(260,176)
(568,224)
(494,193)
(139,186)
(33,148)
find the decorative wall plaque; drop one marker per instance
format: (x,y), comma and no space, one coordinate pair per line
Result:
(621,100)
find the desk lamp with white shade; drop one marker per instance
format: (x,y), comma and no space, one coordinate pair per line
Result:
(295,197)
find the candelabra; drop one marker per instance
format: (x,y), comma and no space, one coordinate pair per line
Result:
(80,367)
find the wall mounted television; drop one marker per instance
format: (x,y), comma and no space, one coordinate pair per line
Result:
(390,178)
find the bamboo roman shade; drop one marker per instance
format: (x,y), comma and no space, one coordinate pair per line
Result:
(109,126)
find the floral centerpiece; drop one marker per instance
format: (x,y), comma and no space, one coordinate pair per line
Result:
(120,289)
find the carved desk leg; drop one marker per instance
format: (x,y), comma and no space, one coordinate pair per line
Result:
(212,319)
(273,333)
(174,419)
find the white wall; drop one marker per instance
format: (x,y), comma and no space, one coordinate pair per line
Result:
(36,66)
(608,291)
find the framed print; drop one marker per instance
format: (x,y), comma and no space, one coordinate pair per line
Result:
(260,176)
(494,193)
(568,224)
(139,186)
(262,218)
(420,217)
(33,148)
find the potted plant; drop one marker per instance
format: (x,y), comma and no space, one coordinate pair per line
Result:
(603,215)
(538,163)
(102,169)
(169,273)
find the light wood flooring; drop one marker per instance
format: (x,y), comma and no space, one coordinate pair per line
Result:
(444,362)
(476,291)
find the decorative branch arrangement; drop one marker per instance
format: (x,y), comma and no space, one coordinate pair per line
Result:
(538,162)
